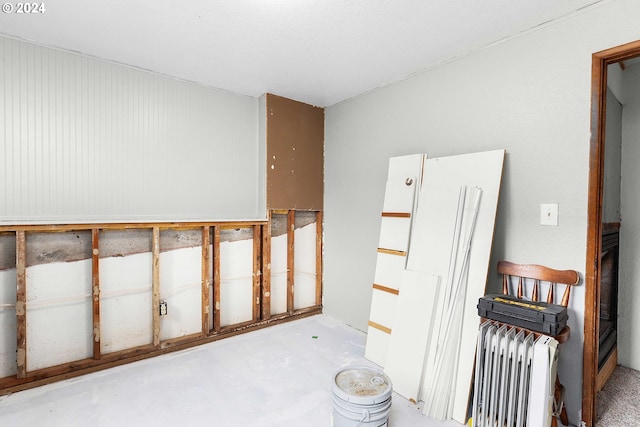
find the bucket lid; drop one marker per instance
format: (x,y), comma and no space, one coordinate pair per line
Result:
(361,384)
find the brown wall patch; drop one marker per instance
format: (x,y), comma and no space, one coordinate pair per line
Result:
(295,154)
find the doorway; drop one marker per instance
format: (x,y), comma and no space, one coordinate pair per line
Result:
(593,273)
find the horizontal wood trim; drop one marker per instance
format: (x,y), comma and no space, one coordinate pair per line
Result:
(67,369)
(126,226)
(235,327)
(396,214)
(236,226)
(386,289)
(86,366)
(240,327)
(379,327)
(392,252)
(180,340)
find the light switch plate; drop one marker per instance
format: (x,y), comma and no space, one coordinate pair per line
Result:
(549,214)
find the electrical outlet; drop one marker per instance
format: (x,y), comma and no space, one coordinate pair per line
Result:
(549,214)
(163,308)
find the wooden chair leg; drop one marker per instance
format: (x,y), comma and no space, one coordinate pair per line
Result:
(564,417)
(558,408)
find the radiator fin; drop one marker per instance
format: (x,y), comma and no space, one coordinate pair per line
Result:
(514,377)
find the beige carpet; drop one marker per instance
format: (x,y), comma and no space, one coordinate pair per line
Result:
(618,403)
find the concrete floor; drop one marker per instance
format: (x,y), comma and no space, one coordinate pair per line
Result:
(278,376)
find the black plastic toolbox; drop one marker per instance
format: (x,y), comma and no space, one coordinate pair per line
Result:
(537,316)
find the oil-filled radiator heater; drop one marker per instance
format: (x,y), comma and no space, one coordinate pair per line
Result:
(514,377)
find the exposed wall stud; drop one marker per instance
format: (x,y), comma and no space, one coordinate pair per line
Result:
(261,234)
(21,303)
(216,279)
(266,268)
(291,218)
(206,277)
(319,258)
(257,271)
(156,286)
(95,290)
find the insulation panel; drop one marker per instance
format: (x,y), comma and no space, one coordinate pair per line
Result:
(236,282)
(180,288)
(59,310)
(304,254)
(279,274)
(125,302)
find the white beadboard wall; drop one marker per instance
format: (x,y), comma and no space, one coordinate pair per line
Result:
(84,140)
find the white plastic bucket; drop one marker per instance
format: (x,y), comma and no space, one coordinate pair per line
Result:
(361,397)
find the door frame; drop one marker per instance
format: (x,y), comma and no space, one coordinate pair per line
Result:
(600,61)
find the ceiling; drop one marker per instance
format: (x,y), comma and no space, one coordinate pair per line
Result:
(317,51)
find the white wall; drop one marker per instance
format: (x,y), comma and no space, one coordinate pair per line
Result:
(530,95)
(87,140)
(629,289)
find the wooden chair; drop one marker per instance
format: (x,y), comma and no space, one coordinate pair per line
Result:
(537,274)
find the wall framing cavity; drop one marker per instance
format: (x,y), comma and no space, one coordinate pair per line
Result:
(78,298)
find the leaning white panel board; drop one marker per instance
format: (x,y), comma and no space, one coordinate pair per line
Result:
(411,332)
(394,233)
(389,269)
(435,221)
(441,364)
(403,179)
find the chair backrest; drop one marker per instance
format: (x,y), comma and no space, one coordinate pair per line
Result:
(538,273)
